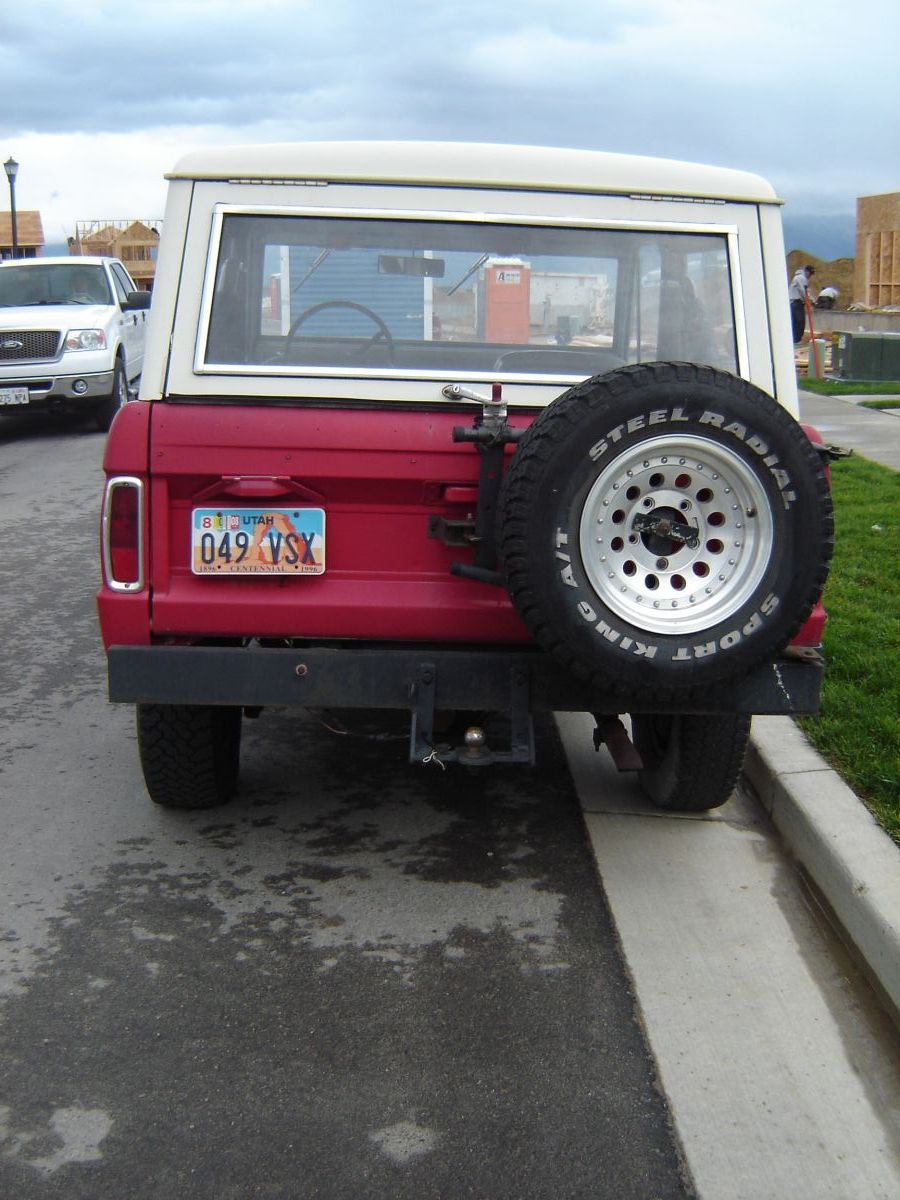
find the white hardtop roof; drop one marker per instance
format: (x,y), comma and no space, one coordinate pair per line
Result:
(457,164)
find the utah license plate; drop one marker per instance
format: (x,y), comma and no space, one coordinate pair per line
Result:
(13,395)
(258,541)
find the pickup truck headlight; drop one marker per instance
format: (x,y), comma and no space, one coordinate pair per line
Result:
(85,339)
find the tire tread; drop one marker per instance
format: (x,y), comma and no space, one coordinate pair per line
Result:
(189,753)
(701,765)
(525,479)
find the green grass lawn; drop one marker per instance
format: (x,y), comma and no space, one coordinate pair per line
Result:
(842,387)
(858,729)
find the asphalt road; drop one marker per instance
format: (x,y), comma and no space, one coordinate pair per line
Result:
(360,979)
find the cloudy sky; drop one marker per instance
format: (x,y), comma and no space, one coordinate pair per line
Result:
(99,99)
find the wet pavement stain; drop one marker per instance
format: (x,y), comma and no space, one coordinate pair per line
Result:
(407,988)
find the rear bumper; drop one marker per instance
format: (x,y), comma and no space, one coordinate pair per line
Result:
(393,676)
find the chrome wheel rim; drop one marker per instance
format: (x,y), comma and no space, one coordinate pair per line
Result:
(659,583)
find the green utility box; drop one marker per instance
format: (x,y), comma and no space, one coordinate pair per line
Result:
(866,356)
(890,357)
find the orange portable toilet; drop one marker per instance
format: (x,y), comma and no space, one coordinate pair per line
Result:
(506,293)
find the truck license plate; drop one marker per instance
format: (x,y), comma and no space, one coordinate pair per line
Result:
(258,541)
(14,395)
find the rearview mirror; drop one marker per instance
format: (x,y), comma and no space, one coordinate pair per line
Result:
(412,265)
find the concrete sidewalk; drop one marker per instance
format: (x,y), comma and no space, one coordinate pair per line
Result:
(867,431)
(781,1071)
(850,860)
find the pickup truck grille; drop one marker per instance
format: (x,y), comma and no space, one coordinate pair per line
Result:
(28,344)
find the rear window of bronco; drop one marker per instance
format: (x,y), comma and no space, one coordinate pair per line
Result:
(319,293)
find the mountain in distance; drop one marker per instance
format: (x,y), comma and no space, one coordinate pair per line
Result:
(826,238)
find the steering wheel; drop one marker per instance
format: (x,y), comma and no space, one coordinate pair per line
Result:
(381,334)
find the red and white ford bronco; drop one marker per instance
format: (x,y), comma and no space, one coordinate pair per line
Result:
(470,432)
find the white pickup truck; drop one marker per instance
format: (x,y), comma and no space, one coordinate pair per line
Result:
(72,335)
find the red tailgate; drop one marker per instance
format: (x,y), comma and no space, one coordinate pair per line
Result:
(378,475)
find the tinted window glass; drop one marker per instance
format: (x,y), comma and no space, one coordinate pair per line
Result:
(54,283)
(338,293)
(121,282)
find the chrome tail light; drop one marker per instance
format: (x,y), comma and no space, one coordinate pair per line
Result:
(122,534)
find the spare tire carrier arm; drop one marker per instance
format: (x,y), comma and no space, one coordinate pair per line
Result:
(491,433)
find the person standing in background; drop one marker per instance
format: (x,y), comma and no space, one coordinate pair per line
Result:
(797,294)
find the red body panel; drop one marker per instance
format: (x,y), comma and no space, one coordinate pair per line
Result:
(127,446)
(124,619)
(814,627)
(379,475)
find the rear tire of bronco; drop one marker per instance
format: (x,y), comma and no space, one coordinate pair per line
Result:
(190,754)
(110,405)
(691,762)
(664,528)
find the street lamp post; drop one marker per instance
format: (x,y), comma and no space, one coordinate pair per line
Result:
(11,167)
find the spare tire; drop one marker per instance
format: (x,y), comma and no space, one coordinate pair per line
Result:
(664,528)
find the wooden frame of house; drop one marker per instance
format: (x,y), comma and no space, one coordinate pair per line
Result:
(877,280)
(134,242)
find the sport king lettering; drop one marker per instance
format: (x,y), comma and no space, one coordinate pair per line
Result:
(648,649)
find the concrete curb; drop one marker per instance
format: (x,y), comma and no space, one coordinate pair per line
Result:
(848,857)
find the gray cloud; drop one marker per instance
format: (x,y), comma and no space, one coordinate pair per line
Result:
(724,82)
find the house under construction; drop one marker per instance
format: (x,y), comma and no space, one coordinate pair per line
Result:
(877,277)
(134,242)
(29,234)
